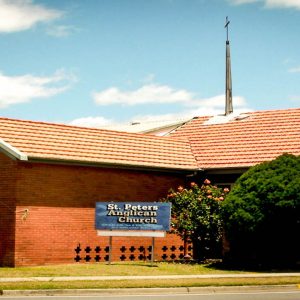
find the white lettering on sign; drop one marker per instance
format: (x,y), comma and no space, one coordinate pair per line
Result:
(137,220)
(112,206)
(132,213)
(140,207)
(146,214)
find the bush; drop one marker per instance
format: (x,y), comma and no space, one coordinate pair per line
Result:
(262,214)
(196,217)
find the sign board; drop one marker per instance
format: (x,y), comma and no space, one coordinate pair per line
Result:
(133,216)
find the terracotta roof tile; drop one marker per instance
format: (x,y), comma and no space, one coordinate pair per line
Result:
(49,141)
(260,136)
(254,138)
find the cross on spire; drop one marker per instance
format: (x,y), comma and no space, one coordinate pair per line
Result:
(226,26)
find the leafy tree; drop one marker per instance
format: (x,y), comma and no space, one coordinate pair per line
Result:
(196,217)
(262,214)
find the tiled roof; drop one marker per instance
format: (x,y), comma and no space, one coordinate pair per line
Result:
(201,143)
(38,140)
(244,141)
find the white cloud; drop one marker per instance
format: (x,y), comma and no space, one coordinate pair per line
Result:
(205,107)
(21,89)
(201,107)
(18,15)
(149,93)
(270,3)
(294,70)
(61,30)
(161,94)
(238,2)
(283,3)
(92,122)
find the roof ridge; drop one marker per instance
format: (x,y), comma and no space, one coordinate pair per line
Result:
(272,110)
(248,112)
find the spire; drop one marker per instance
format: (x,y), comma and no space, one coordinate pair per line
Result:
(228,93)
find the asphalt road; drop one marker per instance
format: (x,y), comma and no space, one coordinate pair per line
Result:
(235,296)
(293,294)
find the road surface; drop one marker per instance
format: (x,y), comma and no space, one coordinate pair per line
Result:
(245,293)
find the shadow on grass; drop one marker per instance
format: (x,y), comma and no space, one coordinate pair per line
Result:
(137,264)
(252,267)
(220,265)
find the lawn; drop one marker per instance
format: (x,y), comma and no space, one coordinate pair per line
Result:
(127,268)
(114,269)
(166,283)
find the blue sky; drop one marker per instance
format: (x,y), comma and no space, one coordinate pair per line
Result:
(100,62)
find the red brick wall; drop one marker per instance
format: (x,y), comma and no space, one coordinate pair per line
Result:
(61,202)
(7,210)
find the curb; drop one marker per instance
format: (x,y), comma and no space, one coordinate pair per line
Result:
(151,291)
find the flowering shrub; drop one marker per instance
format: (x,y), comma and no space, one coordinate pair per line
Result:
(196,216)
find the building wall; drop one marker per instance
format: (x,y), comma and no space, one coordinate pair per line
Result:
(7,210)
(59,227)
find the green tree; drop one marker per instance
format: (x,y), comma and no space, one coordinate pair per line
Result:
(196,217)
(262,214)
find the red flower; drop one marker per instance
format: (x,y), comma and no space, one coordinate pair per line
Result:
(206,181)
(226,190)
(193,184)
(180,189)
(208,192)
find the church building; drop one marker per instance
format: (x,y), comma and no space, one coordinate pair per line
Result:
(52,176)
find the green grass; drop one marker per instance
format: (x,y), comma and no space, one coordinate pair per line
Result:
(127,268)
(148,283)
(115,269)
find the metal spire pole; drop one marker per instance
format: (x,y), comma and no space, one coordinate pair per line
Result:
(228,93)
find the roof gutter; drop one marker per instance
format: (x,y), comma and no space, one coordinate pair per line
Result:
(12,151)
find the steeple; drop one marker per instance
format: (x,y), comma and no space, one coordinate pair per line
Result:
(228,92)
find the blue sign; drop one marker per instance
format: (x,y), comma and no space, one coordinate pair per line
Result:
(133,216)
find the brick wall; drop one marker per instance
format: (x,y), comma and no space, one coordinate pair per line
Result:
(7,210)
(59,227)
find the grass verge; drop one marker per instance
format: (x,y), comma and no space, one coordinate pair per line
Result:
(148,283)
(132,268)
(115,269)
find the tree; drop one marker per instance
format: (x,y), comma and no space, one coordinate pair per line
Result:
(262,214)
(196,217)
